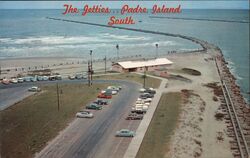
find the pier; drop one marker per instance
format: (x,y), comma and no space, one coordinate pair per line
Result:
(199,19)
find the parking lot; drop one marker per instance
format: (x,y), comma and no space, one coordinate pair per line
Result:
(86,135)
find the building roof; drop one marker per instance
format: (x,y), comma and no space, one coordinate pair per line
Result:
(136,64)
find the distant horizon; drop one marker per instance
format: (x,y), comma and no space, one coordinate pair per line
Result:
(223,5)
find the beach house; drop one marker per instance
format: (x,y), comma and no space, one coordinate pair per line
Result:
(140,66)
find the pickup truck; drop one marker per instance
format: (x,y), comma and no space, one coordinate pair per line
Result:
(139,109)
(134,116)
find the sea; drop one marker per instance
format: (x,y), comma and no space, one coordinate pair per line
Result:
(28,33)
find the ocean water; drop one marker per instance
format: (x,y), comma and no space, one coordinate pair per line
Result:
(27,33)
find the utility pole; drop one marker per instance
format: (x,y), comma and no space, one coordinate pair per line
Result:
(58,101)
(91,67)
(89,71)
(105,62)
(144,77)
(117,51)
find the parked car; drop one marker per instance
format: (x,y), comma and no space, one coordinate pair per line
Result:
(34,89)
(101,95)
(27,79)
(94,107)
(5,81)
(139,102)
(146,95)
(147,100)
(84,114)
(125,133)
(134,116)
(14,80)
(20,80)
(33,79)
(101,102)
(80,76)
(52,78)
(139,109)
(45,78)
(114,88)
(150,91)
(142,90)
(71,77)
(110,92)
(39,78)
(58,77)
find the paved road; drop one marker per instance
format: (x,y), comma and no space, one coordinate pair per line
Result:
(12,95)
(93,137)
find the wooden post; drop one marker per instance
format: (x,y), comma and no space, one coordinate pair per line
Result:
(58,101)
(105,61)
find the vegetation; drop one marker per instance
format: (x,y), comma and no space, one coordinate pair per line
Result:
(216,88)
(149,81)
(164,121)
(191,71)
(31,123)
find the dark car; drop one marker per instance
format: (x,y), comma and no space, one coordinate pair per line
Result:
(134,116)
(101,102)
(94,107)
(146,95)
(150,91)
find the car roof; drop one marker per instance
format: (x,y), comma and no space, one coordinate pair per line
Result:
(124,130)
(84,112)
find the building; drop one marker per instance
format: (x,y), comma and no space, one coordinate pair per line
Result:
(139,66)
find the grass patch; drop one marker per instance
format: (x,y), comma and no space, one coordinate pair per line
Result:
(27,126)
(161,128)
(191,71)
(150,81)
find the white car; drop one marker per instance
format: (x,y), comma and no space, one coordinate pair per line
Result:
(72,77)
(114,92)
(139,102)
(142,90)
(13,80)
(148,100)
(45,78)
(34,89)
(113,88)
(152,89)
(84,114)
(20,80)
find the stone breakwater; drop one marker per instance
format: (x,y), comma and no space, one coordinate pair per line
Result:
(242,108)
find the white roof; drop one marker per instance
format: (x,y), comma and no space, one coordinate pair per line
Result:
(154,62)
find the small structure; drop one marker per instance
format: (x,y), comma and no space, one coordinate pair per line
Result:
(140,66)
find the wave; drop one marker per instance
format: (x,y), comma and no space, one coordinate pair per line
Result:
(232,69)
(6,51)
(59,40)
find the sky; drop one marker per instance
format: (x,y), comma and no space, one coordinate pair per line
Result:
(117,4)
